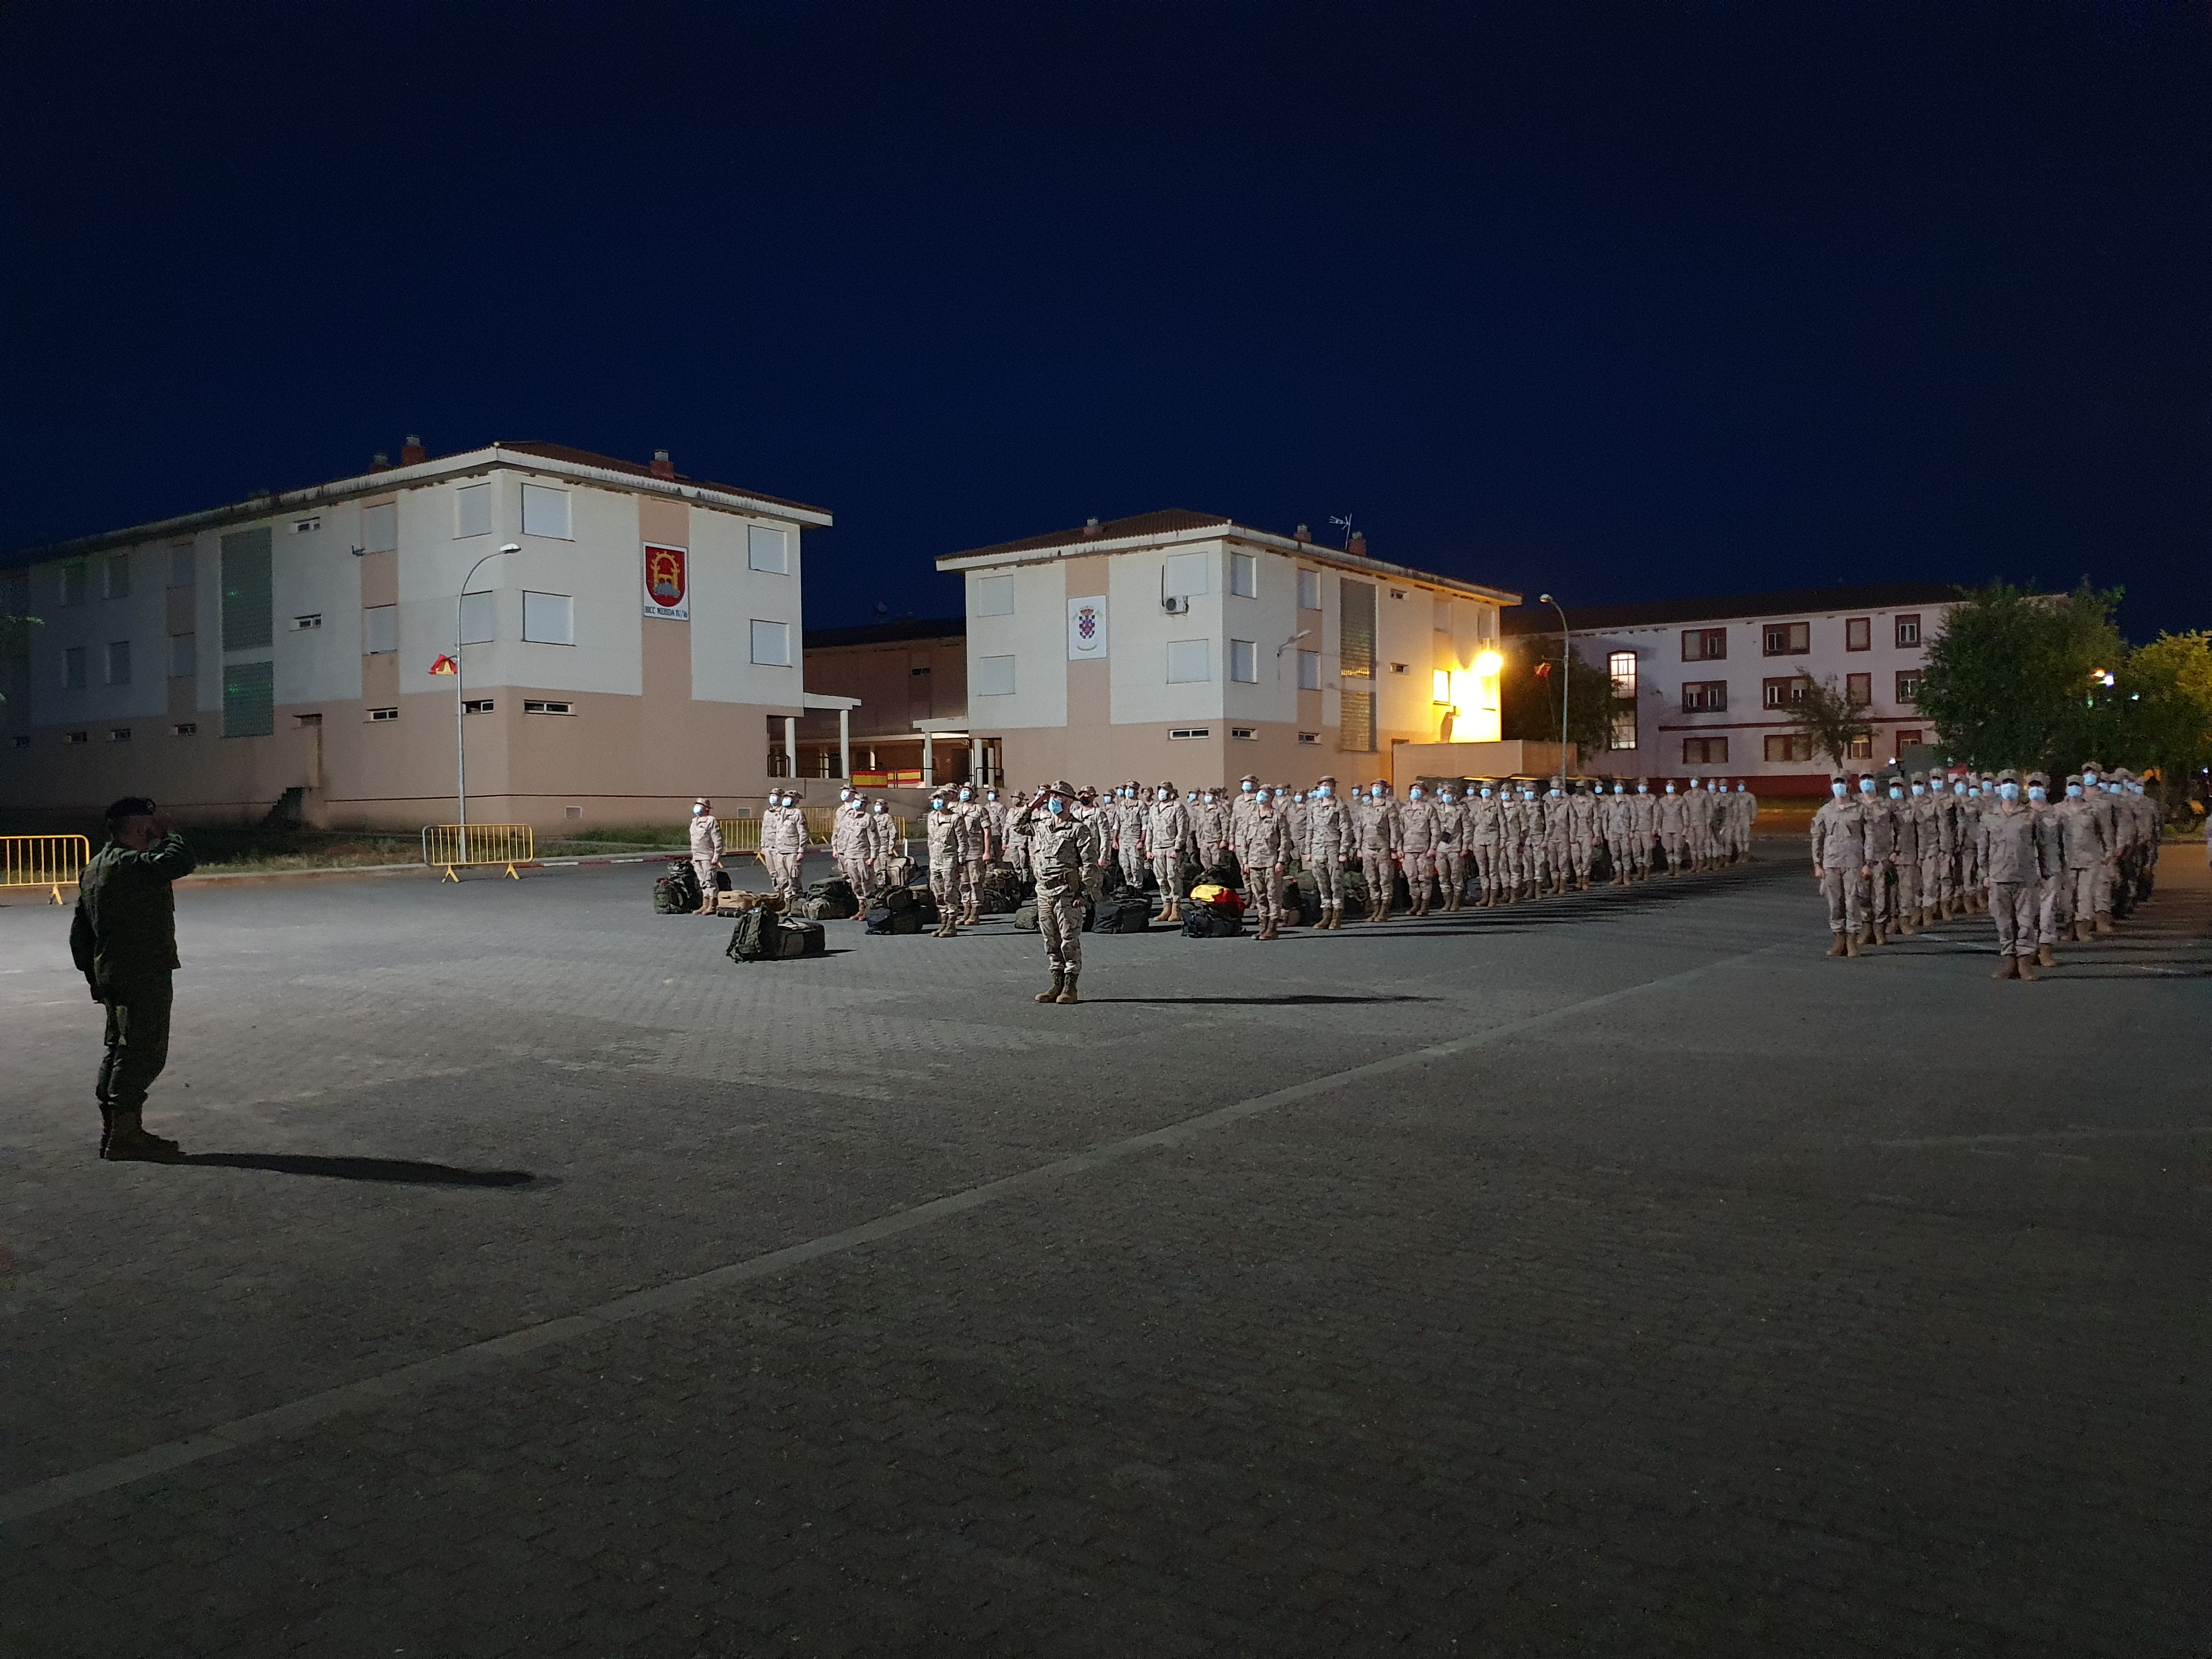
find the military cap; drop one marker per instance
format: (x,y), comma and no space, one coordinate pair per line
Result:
(1250,777)
(2073,777)
(1063,787)
(1866,771)
(1833,777)
(1167,786)
(1326,777)
(2008,776)
(137,806)
(1917,777)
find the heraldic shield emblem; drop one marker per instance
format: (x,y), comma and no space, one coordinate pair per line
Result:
(667,586)
(1086,627)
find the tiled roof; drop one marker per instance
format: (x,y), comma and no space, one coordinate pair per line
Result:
(937,628)
(1166,522)
(1787,602)
(636,469)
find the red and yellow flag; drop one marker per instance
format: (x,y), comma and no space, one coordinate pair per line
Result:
(445,665)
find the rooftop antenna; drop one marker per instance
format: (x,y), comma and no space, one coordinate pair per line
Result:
(1347,522)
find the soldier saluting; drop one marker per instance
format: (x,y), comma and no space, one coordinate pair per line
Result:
(1062,847)
(124,940)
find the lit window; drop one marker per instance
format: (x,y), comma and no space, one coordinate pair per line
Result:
(1620,666)
(1623,735)
(1440,685)
(1908,686)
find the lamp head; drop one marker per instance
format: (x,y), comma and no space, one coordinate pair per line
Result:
(1546,599)
(1488,663)
(512,547)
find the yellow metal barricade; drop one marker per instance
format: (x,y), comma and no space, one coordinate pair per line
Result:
(49,861)
(453,844)
(741,834)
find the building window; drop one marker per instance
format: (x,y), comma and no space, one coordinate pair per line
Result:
(76,737)
(184,656)
(1859,689)
(1783,692)
(248,619)
(313,620)
(1908,686)
(306,526)
(1308,671)
(991,596)
(768,549)
(1862,748)
(1440,685)
(116,584)
(478,705)
(379,527)
(539,706)
(1789,746)
(119,662)
(73,582)
(548,618)
(1703,696)
(118,734)
(1309,590)
(472,510)
(379,629)
(249,698)
(994,677)
(1184,576)
(185,729)
(1192,731)
(545,512)
(772,644)
(1190,662)
(1401,668)
(378,716)
(479,618)
(183,567)
(1704,644)
(1908,630)
(1244,732)
(1909,741)
(73,668)
(1705,751)
(1858,633)
(1244,661)
(1243,575)
(1788,638)
(1623,735)
(1621,666)
(1309,736)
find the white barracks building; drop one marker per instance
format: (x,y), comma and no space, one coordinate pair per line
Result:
(640,646)
(1185,646)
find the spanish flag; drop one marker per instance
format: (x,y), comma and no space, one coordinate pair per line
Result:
(445,665)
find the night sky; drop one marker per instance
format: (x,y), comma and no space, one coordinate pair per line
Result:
(1624,301)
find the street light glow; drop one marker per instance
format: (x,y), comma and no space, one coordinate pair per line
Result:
(1488,664)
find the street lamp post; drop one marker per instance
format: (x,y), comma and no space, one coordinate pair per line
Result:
(460,698)
(1566,674)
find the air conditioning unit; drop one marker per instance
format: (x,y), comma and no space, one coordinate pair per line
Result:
(1175,605)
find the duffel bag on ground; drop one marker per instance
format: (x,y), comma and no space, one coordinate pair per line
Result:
(836,895)
(737,901)
(668,897)
(1126,915)
(882,920)
(798,939)
(1353,886)
(1211,921)
(1208,892)
(1025,917)
(1002,891)
(894,897)
(749,940)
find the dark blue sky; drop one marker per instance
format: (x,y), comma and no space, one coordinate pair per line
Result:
(1620,300)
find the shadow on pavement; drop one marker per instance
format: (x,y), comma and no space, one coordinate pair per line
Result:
(400,1169)
(1262,1002)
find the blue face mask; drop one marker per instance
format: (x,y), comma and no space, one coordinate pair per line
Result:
(1414,794)
(2074,792)
(1838,790)
(1896,794)
(1055,807)
(1322,792)
(2009,791)
(2035,792)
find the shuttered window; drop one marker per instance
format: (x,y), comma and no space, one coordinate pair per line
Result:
(767,549)
(379,527)
(249,698)
(472,510)
(1356,665)
(379,629)
(247,606)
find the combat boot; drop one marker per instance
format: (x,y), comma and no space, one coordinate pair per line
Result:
(1851,944)
(129,1143)
(1904,927)
(1267,929)
(2044,958)
(2080,932)
(2024,967)
(2009,970)
(107,1127)
(1067,990)
(2104,921)
(1836,945)
(1059,980)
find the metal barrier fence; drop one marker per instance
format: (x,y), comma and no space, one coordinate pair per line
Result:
(49,861)
(451,844)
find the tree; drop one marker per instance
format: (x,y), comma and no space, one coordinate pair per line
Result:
(1528,697)
(2163,704)
(1828,717)
(2008,681)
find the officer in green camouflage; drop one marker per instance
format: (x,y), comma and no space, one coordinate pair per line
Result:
(124,940)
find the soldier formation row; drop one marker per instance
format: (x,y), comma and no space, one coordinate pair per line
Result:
(1919,850)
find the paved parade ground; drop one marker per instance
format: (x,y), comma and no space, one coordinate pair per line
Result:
(1611,1275)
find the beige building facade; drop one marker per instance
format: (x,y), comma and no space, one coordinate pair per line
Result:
(1182,646)
(635,648)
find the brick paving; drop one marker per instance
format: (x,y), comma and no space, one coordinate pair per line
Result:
(1617,1276)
